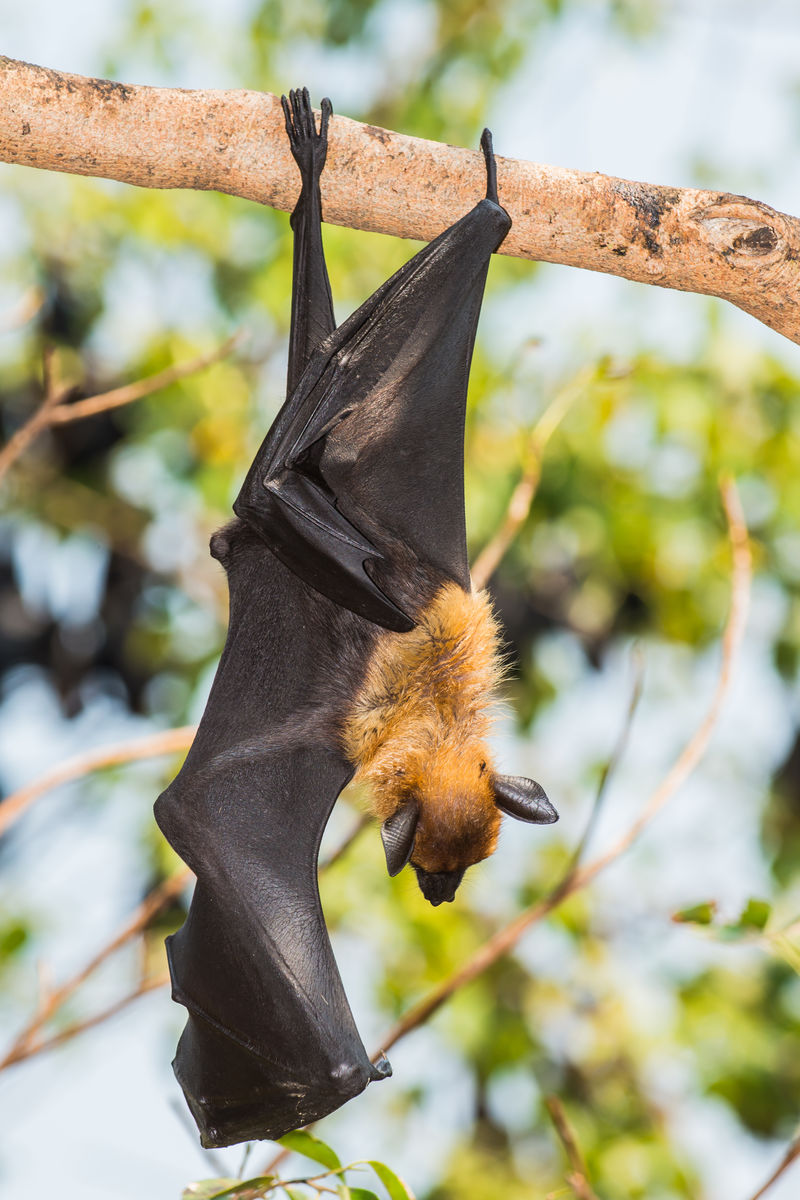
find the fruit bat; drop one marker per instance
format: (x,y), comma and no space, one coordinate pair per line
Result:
(356,649)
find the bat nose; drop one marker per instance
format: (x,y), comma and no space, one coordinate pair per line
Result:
(439,887)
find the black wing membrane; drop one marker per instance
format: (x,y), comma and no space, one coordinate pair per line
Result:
(270,1043)
(374,434)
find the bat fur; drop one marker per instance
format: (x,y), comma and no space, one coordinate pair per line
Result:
(419,727)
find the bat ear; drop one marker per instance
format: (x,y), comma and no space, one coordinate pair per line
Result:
(523,799)
(397,835)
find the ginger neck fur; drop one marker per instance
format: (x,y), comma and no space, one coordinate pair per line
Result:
(418,728)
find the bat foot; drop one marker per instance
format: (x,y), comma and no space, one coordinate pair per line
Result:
(309,146)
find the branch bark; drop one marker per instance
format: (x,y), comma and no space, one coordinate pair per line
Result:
(710,242)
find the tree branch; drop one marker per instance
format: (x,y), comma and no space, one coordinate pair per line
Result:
(53,411)
(578,1179)
(524,494)
(714,243)
(791,1156)
(170,741)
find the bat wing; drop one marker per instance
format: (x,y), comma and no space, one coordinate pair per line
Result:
(270,1043)
(367,453)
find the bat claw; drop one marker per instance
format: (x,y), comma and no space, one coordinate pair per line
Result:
(491,166)
(382,1069)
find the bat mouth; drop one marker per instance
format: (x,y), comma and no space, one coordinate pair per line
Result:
(439,887)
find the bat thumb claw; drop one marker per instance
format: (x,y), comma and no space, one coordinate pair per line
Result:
(381,1069)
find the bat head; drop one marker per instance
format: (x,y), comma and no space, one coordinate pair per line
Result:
(449,807)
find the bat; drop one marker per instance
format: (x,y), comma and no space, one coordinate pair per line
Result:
(356,649)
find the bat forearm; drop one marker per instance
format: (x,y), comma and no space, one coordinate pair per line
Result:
(234,141)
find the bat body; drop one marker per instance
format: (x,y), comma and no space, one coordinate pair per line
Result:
(355,647)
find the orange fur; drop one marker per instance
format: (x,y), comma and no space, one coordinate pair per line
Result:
(418,728)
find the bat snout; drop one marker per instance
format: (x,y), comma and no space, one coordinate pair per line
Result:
(439,887)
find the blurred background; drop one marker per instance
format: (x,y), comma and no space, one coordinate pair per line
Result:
(672,1045)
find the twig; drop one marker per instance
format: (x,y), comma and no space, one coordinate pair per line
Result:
(613,762)
(578,1179)
(791,1155)
(170,741)
(360,825)
(505,939)
(28,432)
(519,506)
(72,1031)
(53,411)
(26,1044)
(732,639)
(26,308)
(143,387)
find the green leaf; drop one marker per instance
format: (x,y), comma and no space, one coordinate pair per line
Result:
(698,914)
(755,914)
(393,1183)
(362,1194)
(205,1189)
(311,1147)
(232,1189)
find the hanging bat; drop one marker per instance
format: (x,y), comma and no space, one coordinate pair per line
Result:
(356,649)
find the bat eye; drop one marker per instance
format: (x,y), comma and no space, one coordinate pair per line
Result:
(483,767)
(400,771)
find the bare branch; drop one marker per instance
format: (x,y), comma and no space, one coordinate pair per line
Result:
(519,506)
(732,639)
(170,741)
(791,1155)
(27,1043)
(143,387)
(578,1179)
(714,243)
(39,421)
(78,1027)
(53,411)
(506,938)
(359,826)
(26,308)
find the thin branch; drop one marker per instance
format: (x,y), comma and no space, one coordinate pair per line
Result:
(72,1031)
(53,411)
(39,421)
(143,387)
(609,770)
(27,1043)
(339,851)
(732,639)
(170,741)
(506,938)
(26,308)
(519,506)
(791,1155)
(578,1179)
(710,242)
